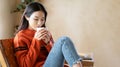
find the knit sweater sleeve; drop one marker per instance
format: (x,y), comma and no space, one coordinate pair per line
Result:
(27,56)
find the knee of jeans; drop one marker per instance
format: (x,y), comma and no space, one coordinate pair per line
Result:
(65,38)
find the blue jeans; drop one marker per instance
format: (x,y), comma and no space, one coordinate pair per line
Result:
(62,50)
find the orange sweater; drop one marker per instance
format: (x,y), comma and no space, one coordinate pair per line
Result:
(30,52)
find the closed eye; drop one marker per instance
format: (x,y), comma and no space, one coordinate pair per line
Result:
(36,19)
(42,20)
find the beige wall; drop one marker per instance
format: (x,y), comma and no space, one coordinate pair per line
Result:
(93,25)
(7,22)
(7,19)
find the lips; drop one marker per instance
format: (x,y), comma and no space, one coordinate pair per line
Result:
(38,26)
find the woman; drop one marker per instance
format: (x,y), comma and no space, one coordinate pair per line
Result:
(33,47)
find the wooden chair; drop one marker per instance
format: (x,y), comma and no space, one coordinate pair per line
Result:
(8,59)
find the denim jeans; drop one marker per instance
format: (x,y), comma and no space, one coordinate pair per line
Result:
(62,50)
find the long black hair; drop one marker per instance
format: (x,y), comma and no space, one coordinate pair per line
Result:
(30,8)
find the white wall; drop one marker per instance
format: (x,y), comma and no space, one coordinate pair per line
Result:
(7,20)
(93,25)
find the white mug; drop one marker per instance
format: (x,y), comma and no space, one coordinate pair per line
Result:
(40,28)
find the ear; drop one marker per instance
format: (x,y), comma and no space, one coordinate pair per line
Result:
(27,18)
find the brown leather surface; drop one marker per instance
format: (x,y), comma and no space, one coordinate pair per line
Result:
(8,52)
(88,63)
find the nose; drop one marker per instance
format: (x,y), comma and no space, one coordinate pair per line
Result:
(39,24)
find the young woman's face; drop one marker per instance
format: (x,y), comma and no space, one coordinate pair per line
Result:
(37,19)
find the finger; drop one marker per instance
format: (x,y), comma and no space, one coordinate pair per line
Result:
(38,34)
(41,32)
(42,35)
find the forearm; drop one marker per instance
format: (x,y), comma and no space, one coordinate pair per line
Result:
(27,58)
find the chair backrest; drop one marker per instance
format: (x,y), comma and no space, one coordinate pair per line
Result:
(7,53)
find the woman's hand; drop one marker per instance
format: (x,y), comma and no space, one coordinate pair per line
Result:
(43,34)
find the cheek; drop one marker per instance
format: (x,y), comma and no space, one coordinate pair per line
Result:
(33,24)
(42,23)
